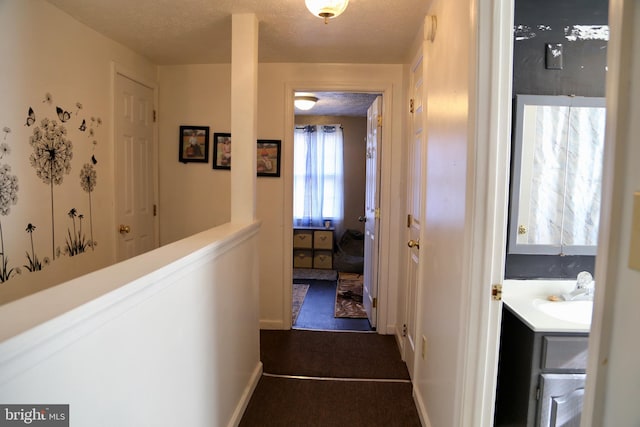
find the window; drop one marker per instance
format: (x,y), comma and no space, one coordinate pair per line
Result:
(318,175)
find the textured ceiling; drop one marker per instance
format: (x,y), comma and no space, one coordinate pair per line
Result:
(169,32)
(199,31)
(339,104)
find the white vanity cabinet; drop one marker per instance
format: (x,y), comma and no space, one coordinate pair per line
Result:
(541,376)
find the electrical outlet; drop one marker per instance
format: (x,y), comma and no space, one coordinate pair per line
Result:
(424,346)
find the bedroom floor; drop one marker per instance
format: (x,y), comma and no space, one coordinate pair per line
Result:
(317,311)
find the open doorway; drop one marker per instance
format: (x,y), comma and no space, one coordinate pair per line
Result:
(550,258)
(330,187)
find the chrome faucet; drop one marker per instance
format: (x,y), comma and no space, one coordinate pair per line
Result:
(585,287)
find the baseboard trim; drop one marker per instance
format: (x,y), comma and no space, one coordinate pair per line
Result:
(246,396)
(272,324)
(400,343)
(422,411)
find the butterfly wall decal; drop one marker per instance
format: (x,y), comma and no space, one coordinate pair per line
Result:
(62,114)
(83,126)
(31,117)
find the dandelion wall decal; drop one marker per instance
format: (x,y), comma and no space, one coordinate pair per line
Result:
(34,262)
(4,149)
(83,126)
(51,157)
(78,108)
(48,98)
(7,131)
(62,114)
(8,197)
(88,180)
(31,117)
(76,243)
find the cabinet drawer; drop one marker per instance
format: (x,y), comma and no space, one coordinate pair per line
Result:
(563,352)
(323,239)
(322,259)
(302,259)
(303,239)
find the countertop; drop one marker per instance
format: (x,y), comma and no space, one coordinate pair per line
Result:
(519,296)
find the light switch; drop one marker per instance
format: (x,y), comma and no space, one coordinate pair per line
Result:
(634,249)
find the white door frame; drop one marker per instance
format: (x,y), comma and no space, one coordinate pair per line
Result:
(490,170)
(488,181)
(386,287)
(126,72)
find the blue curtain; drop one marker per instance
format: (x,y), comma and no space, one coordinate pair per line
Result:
(318,184)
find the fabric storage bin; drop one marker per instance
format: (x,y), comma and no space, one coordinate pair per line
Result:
(303,239)
(323,259)
(323,239)
(302,259)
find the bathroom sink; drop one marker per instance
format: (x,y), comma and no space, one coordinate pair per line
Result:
(569,311)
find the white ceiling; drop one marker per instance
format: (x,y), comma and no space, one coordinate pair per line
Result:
(199,31)
(339,104)
(170,32)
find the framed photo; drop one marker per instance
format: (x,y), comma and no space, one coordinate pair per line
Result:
(268,152)
(222,151)
(194,144)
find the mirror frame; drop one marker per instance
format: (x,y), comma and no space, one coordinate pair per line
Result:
(514,209)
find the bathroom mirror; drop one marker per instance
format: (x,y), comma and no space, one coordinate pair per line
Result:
(557,175)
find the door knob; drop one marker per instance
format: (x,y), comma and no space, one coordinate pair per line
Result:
(362,218)
(124,229)
(414,244)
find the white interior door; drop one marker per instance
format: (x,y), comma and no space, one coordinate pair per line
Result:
(414,182)
(372,209)
(134,139)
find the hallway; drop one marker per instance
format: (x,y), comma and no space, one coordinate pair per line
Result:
(331,379)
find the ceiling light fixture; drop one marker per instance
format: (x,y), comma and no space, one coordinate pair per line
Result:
(305,102)
(326,9)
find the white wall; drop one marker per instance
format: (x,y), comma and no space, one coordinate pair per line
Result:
(447,77)
(164,339)
(201,93)
(193,196)
(275,204)
(46,51)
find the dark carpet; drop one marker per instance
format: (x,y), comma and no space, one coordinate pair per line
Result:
(331,354)
(308,403)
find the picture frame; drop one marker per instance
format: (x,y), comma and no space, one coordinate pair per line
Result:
(268,154)
(194,144)
(221,151)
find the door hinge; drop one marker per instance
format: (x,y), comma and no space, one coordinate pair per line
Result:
(496,292)
(377,213)
(154,116)
(409,220)
(411,105)
(404,330)
(155,210)
(375,302)
(379,120)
